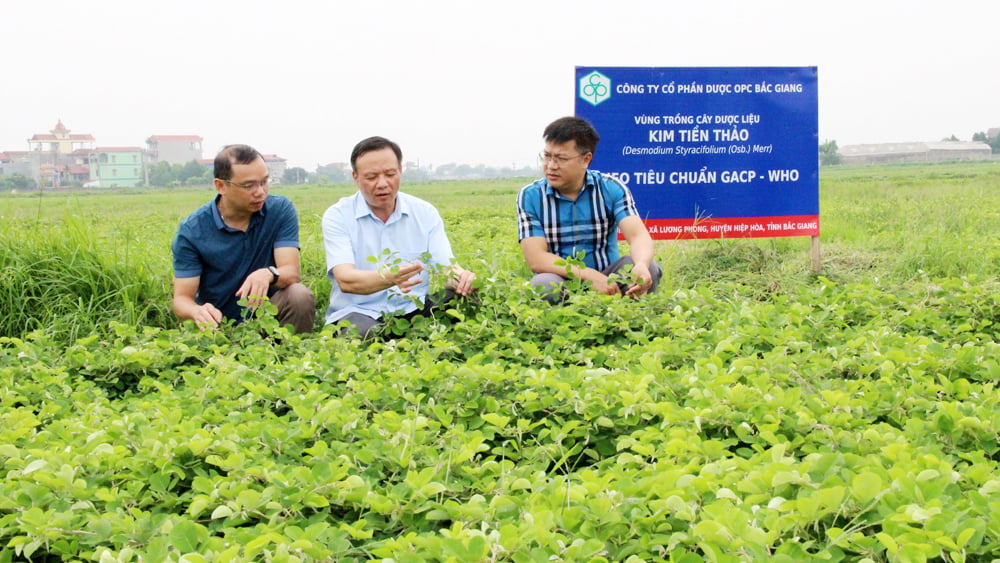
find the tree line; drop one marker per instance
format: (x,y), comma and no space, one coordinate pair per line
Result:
(167,175)
(335,174)
(829,153)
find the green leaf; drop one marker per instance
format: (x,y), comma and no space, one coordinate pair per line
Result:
(520,484)
(912,554)
(34,466)
(866,486)
(198,505)
(187,536)
(222,511)
(886,540)
(496,419)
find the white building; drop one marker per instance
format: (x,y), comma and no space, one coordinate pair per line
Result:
(914,152)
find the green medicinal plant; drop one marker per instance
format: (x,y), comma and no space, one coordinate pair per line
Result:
(750,410)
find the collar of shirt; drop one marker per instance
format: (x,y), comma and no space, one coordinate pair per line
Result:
(217,217)
(588,182)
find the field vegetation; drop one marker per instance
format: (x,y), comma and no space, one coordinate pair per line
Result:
(751,410)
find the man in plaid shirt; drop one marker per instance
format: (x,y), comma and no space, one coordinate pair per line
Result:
(573,210)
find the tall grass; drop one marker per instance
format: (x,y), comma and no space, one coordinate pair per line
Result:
(56,279)
(886,224)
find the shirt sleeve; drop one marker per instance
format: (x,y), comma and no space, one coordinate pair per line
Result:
(438,244)
(529,223)
(336,239)
(624,203)
(187,261)
(288,228)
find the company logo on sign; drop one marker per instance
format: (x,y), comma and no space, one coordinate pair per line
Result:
(595,88)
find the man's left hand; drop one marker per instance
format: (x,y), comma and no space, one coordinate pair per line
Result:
(644,281)
(255,287)
(461,280)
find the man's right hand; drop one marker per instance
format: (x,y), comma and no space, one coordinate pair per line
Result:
(207,316)
(404,277)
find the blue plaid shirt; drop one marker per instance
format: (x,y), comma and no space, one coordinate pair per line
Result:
(589,224)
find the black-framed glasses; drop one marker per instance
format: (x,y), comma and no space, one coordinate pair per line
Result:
(557,159)
(250,186)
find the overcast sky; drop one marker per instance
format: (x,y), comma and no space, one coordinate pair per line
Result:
(466,81)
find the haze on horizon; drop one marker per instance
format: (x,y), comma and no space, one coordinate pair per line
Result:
(462,82)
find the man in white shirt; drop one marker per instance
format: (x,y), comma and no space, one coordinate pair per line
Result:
(382,245)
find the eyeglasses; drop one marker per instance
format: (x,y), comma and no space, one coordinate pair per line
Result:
(250,186)
(557,159)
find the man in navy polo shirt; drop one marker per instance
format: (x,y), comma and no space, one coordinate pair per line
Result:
(573,210)
(244,244)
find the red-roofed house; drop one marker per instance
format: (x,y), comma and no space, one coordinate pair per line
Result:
(173,149)
(60,141)
(52,153)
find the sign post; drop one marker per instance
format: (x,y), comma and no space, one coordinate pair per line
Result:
(710,152)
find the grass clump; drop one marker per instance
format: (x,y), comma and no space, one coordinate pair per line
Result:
(55,280)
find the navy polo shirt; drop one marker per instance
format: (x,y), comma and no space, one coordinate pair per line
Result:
(223,257)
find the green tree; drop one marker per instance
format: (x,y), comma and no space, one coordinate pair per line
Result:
(828,153)
(295,175)
(416,175)
(16,181)
(333,173)
(993,142)
(189,170)
(161,174)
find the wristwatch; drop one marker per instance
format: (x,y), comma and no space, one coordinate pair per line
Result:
(275,274)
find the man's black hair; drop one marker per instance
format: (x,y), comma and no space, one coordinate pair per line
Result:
(566,129)
(374,144)
(233,154)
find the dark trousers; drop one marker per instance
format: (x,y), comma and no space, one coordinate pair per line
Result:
(369,327)
(296,307)
(551,285)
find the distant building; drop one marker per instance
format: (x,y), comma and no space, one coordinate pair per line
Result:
(116,167)
(12,162)
(276,167)
(914,152)
(76,173)
(52,155)
(173,149)
(60,141)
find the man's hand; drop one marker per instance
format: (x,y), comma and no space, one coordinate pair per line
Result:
(461,280)
(254,288)
(207,316)
(644,281)
(204,316)
(600,282)
(405,276)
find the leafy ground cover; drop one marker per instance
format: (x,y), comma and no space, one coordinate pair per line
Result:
(749,411)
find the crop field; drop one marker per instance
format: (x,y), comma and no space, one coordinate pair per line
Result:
(751,410)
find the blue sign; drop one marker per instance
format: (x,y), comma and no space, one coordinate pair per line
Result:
(709,152)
